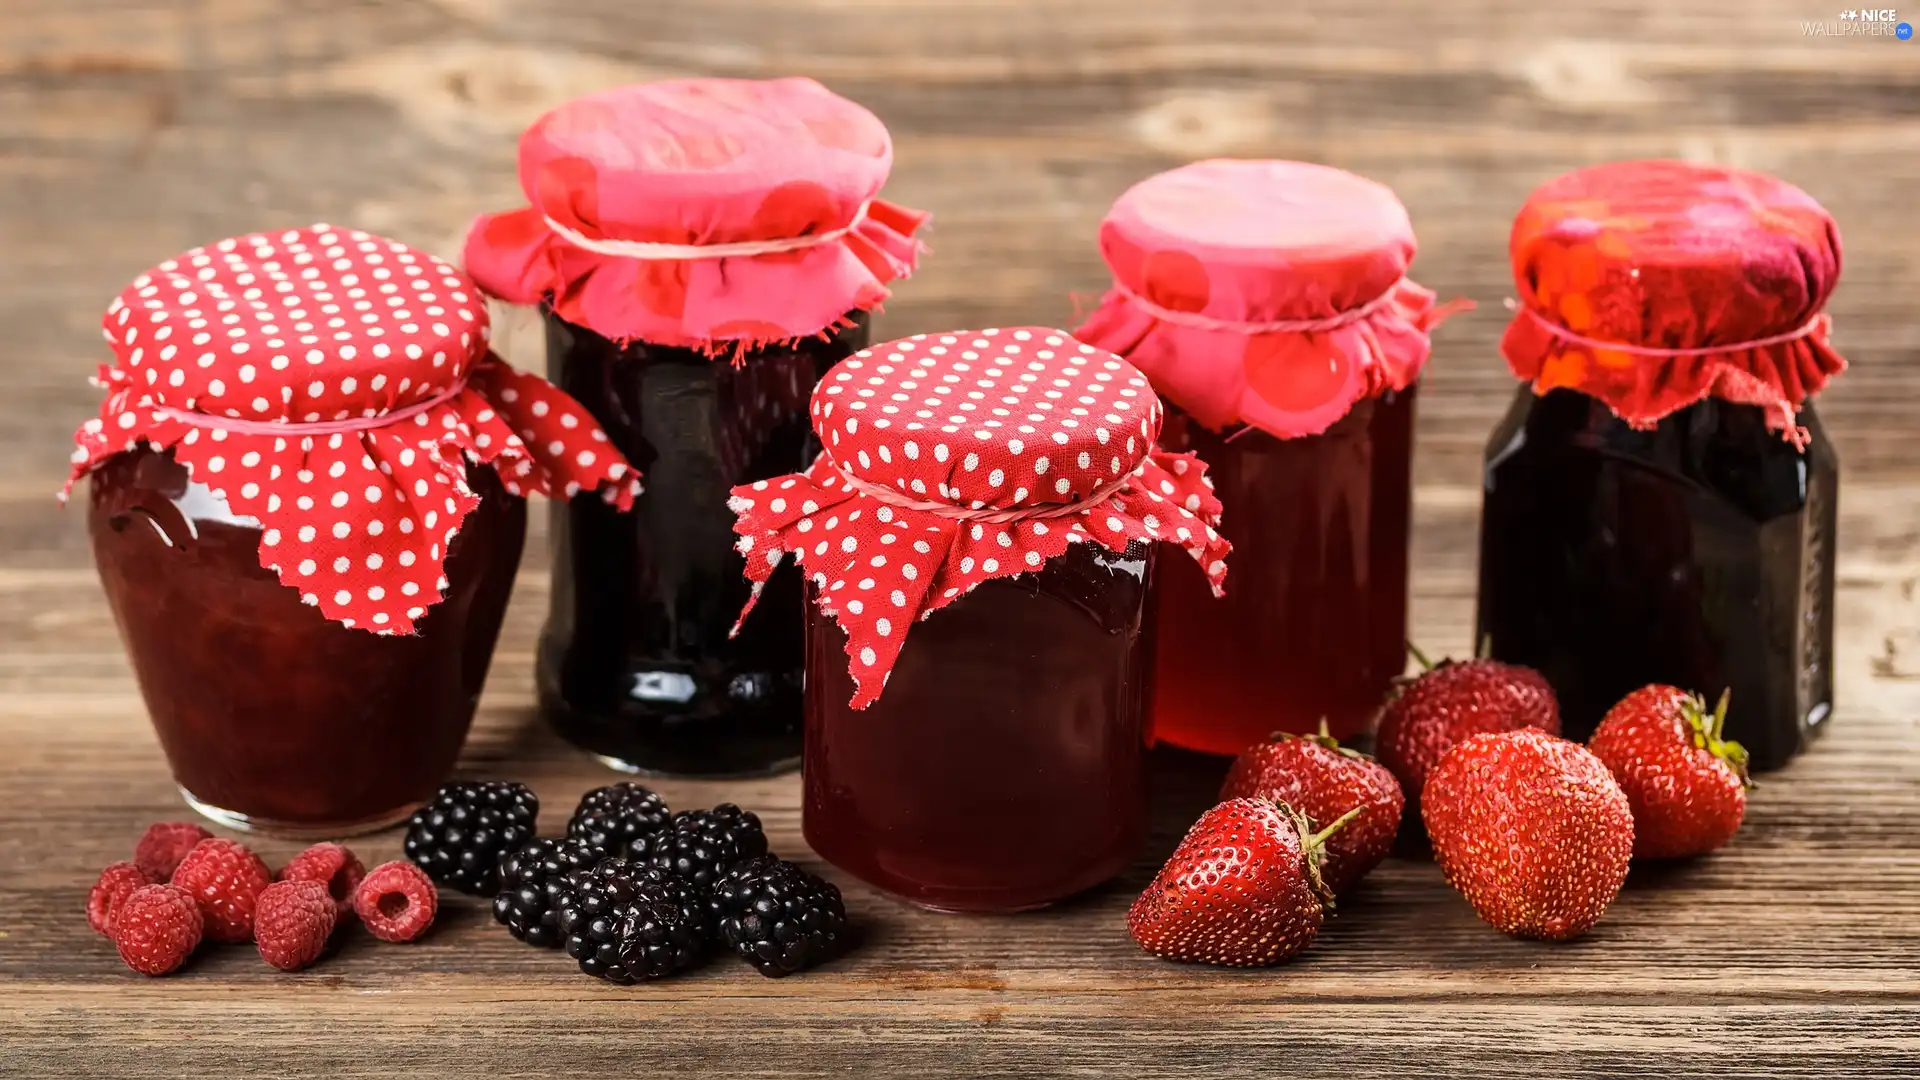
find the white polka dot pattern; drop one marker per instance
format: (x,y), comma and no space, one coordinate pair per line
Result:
(269,364)
(955,458)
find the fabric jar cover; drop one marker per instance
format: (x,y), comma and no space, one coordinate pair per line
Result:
(1266,293)
(665,178)
(1652,285)
(951,459)
(332,386)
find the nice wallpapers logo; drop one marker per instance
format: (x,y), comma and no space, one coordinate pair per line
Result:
(1860,22)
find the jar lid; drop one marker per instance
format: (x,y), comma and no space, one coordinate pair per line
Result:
(333,385)
(1269,293)
(720,214)
(951,459)
(1651,285)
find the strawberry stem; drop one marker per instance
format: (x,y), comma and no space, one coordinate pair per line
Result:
(1319,839)
(1425,664)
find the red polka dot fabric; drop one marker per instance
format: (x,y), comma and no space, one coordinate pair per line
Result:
(1208,258)
(333,386)
(701,162)
(1668,255)
(952,459)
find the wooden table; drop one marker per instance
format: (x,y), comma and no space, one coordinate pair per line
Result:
(130,130)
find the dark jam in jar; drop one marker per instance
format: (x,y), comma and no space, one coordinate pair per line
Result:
(1003,767)
(635,663)
(1315,623)
(271,716)
(1698,554)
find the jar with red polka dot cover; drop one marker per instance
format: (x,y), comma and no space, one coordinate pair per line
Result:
(306,507)
(1661,500)
(703,250)
(978,538)
(1269,302)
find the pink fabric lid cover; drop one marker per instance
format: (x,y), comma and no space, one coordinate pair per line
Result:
(696,163)
(1269,293)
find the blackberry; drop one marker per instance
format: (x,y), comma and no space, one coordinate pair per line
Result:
(778,917)
(624,923)
(531,878)
(700,845)
(458,838)
(611,817)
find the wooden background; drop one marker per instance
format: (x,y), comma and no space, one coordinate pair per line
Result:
(131,129)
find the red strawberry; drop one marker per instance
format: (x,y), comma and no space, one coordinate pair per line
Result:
(225,878)
(1687,785)
(1532,829)
(1243,889)
(1451,702)
(1315,775)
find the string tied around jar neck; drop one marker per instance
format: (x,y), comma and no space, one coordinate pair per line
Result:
(990,515)
(649,251)
(112,378)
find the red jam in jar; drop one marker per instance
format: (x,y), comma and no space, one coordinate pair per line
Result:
(272,716)
(703,250)
(308,539)
(1269,304)
(977,539)
(1661,502)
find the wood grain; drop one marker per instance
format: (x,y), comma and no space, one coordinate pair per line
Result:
(130,130)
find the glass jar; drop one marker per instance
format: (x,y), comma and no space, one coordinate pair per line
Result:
(1697,554)
(702,250)
(272,716)
(1660,501)
(1319,599)
(636,662)
(1269,303)
(308,538)
(977,537)
(1005,766)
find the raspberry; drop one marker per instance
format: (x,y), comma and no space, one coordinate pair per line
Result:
(396,901)
(156,928)
(164,844)
(115,883)
(225,878)
(292,921)
(330,865)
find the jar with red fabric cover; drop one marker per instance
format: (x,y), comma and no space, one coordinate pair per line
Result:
(977,536)
(306,509)
(1661,500)
(1269,303)
(703,250)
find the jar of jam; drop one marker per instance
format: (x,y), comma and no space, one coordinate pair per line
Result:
(1660,501)
(306,508)
(703,250)
(1269,303)
(997,493)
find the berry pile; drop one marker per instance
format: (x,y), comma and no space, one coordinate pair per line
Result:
(1535,831)
(186,886)
(633,891)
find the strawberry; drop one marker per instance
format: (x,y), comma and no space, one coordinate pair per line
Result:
(1687,785)
(1454,700)
(1531,829)
(1243,889)
(1317,776)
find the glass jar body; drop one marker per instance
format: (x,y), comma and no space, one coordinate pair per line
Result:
(1004,766)
(636,664)
(272,717)
(1698,553)
(1314,622)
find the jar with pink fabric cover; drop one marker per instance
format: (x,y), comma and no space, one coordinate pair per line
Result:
(1661,500)
(703,250)
(1269,303)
